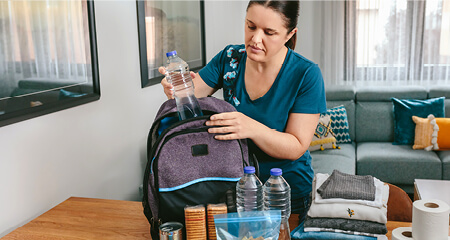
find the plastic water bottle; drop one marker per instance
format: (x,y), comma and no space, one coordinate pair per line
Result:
(178,74)
(277,194)
(249,193)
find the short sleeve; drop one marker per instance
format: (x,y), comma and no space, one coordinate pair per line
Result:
(311,94)
(212,73)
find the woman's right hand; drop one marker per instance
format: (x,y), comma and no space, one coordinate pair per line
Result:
(168,88)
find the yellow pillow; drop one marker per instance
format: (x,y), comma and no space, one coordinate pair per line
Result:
(432,133)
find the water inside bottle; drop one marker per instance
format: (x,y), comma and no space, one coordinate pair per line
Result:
(189,112)
(249,194)
(187,104)
(277,195)
(249,200)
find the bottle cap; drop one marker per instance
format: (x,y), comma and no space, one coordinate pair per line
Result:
(249,169)
(171,53)
(276,171)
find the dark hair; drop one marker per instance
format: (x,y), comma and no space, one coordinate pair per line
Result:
(289,10)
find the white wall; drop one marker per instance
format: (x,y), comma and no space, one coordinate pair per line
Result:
(309,30)
(225,25)
(99,149)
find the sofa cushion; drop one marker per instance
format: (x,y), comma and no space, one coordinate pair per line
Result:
(329,160)
(396,164)
(373,111)
(340,93)
(441,91)
(375,122)
(384,94)
(404,109)
(445,158)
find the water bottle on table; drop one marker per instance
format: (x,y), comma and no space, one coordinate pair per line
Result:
(249,193)
(277,196)
(178,74)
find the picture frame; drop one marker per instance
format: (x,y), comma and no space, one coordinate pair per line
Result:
(37,96)
(165,26)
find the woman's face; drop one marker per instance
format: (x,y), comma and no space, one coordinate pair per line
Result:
(265,33)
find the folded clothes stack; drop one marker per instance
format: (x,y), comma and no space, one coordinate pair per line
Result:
(346,207)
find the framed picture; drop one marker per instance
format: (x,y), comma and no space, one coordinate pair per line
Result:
(48,57)
(165,26)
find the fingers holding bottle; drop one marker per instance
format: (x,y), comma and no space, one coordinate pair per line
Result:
(168,88)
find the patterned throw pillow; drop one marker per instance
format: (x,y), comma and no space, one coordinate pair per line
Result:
(339,124)
(324,136)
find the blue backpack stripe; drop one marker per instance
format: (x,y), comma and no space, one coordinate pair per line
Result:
(197,181)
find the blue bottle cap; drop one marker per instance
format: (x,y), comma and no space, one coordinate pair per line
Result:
(171,53)
(276,171)
(249,169)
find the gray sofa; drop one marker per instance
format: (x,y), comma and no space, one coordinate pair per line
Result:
(371,126)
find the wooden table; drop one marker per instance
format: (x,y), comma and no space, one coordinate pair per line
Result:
(87,218)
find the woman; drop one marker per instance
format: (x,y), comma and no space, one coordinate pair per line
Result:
(278,94)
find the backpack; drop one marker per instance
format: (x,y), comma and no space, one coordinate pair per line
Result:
(187,166)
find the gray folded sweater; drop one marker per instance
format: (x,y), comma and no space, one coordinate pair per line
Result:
(348,186)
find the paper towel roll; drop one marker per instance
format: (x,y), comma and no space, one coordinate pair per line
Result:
(430,220)
(402,233)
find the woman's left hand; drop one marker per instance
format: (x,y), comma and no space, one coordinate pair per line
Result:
(233,125)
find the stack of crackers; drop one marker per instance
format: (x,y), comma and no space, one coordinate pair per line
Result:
(195,219)
(212,210)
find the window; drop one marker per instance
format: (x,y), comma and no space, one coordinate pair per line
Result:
(48,58)
(402,41)
(378,42)
(166,26)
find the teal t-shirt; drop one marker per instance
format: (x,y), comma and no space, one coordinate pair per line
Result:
(298,88)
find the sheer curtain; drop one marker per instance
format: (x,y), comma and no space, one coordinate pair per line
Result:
(43,40)
(378,42)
